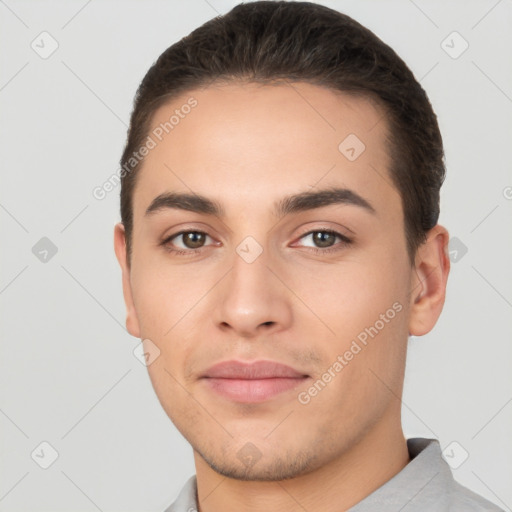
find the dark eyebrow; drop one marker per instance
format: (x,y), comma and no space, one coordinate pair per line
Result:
(310,200)
(295,203)
(189,202)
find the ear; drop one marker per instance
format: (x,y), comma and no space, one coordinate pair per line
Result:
(428,287)
(132,322)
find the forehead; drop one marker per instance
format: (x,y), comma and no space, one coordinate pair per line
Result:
(242,144)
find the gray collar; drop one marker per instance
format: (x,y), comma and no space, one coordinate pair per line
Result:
(426,472)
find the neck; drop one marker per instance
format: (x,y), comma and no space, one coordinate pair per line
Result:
(336,486)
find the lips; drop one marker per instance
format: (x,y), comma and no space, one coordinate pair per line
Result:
(252,382)
(256,370)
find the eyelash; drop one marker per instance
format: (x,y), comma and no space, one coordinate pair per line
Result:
(190,252)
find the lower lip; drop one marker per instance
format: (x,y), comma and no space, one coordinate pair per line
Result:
(253,390)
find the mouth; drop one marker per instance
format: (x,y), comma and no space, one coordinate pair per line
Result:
(252,382)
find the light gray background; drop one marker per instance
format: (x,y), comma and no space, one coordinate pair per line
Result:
(67,369)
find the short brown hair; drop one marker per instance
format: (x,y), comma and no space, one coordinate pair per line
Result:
(271,41)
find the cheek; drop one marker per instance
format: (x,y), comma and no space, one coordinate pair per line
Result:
(351,295)
(169,308)
(162,294)
(364,304)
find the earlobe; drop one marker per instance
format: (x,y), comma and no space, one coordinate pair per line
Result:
(428,286)
(132,322)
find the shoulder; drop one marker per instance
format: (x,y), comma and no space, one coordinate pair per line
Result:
(461,499)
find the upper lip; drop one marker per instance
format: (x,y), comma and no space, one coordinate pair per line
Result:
(254,370)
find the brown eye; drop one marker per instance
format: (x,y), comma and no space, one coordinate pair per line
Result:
(324,241)
(185,242)
(324,238)
(193,239)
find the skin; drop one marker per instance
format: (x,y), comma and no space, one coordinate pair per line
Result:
(247,146)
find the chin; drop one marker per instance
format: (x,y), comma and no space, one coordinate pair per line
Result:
(261,468)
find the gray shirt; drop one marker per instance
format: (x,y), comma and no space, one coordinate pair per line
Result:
(425,483)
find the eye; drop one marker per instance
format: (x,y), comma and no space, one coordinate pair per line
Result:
(325,240)
(191,242)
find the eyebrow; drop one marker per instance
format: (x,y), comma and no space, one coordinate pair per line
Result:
(295,203)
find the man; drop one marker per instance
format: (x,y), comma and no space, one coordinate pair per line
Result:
(279,243)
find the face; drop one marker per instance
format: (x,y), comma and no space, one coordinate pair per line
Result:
(268,266)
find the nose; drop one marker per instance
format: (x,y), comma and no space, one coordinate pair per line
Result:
(252,299)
